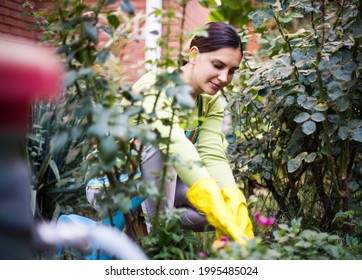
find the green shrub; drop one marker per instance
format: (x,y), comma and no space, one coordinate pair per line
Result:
(291,242)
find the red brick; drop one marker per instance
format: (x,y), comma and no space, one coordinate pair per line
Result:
(4,28)
(12,5)
(5,11)
(15,22)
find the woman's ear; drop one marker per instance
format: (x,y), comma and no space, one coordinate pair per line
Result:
(193,53)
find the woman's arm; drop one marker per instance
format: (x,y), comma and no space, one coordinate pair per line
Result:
(188,165)
(210,144)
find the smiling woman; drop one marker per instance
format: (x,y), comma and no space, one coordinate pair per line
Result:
(209,72)
(206,191)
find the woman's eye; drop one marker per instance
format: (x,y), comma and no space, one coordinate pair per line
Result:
(217,66)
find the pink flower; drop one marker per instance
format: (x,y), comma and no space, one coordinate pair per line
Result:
(204,254)
(263,220)
(218,244)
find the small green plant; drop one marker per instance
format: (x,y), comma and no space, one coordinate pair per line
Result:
(168,241)
(291,242)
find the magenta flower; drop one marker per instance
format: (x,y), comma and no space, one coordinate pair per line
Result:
(204,254)
(220,243)
(265,222)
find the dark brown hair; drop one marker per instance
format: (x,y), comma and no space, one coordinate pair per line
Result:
(220,35)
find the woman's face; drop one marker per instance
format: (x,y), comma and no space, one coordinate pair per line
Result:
(214,70)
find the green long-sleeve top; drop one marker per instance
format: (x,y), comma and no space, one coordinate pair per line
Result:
(209,148)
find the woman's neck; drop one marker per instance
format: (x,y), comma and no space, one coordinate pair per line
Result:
(187,76)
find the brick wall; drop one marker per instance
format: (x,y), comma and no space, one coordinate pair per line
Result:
(195,17)
(14,22)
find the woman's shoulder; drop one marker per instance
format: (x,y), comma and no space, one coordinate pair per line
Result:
(147,80)
(150,78)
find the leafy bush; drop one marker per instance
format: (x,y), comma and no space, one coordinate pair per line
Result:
(291,242)
(88,118)
(297,125)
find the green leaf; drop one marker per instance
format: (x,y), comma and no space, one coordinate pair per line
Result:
(309,127)
(294,164)
(333,238)
(258,16)
(335,119)
(301,156)
(63,49)
(248,98)
(357,134)
(353,185)
(302,117)
(342,75)
(343,133)
(299,56)
(285,72)
(270,2)
(357,28)
(284,227)
(285,5)
(332,250)
(102,56)
(113,20)
(283,239)
(109,2)
(70,78)
(35,138)
(321,107)
(349,66)
(289,17)
(323,65)
(172,224)
(67,24)
(183,96)
(310,157)
(58,141)
(342,103)
(318,117)
(177,238)
(55,169)
(107,149)
(91,32)
(253,80)
(72,154)
(303,244)
(230,138)
(334,90)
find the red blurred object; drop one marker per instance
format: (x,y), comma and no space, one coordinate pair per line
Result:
(27,73)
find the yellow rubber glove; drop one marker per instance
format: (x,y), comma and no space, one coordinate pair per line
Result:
(236,203)
(206,196)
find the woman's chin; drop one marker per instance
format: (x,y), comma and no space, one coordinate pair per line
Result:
(211,91)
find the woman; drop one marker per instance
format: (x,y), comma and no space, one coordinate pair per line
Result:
(208,192)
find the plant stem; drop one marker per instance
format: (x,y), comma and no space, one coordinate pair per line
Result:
(289,47)
(181,40)
(322,96)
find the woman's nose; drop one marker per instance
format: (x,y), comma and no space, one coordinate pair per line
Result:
(223,76)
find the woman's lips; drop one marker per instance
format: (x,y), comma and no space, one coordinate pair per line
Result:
(215,86)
